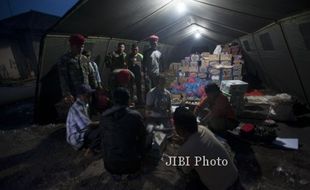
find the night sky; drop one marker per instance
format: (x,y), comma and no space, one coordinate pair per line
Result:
(55,7)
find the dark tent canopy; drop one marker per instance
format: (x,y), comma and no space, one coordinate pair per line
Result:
(274,34)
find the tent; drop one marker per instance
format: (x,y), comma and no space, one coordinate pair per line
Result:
(274,35)
(19,42)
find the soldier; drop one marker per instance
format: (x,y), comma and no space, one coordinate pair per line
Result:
(152,63)
(74,69)
(117,59)
(94,68)
(134,60)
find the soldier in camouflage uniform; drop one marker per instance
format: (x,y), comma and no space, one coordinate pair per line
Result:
(114,61)
(117,59)
(74,69)
(134,62)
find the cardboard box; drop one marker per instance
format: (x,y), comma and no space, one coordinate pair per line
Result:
(184,69)
(183,63)
(227,77)
(237,73)
(227,72)
(225,62)
(237,70)
(237,66)
(204,63)
(193,69)
(193,64)
(225,57)
(213,63)
(234,86)
(238,62)
(202,75)
(214,57)
(205,54)
(213,71)
(215,78)
(174,66)
(203,69)
(195,57)
(237,77)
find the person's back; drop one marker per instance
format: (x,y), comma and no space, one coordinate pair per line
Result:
(203,146)
(205,154)
(123,139)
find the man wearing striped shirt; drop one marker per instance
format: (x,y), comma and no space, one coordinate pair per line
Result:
(81,131)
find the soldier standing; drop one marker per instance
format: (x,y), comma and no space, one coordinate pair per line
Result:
(152,60)
(134,61)
(74,69)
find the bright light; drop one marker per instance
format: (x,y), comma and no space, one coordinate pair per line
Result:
(197,35)
(181,7)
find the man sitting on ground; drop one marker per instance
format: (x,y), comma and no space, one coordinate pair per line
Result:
(201,145)
(123,136)
(158,103)
(81,131)
(221,116)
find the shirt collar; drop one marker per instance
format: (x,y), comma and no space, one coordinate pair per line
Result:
(81,102)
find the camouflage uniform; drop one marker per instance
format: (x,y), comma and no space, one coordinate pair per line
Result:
(74,71)
(116,61)
(134,62)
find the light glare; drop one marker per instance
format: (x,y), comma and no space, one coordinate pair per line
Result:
(181,7)
(197,35)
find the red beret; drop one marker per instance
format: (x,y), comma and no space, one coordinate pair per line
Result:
(123,77)
(154,38)
(77,39)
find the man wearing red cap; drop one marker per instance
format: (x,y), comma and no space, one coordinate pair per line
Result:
(74,69)
(122,78)
(152,63)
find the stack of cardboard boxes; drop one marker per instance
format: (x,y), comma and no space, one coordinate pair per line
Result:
(237,70)
(235,89)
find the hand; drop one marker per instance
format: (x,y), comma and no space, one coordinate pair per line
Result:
(69,99)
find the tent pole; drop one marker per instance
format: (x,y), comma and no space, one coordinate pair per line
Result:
(171,25)
(294,62)
(186,28)
(36,118)
(220,33)
(260,59)
(107,49)
(232,10)
(146,17)
(221,24)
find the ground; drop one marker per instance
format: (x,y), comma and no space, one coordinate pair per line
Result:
(37,157)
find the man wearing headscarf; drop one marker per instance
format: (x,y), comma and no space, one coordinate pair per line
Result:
(74,69)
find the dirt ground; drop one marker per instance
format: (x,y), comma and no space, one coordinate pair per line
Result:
(38,157)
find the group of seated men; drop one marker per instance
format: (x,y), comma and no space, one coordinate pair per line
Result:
(120,135)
